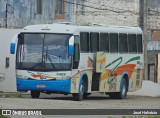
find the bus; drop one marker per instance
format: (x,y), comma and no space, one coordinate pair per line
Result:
(78,60)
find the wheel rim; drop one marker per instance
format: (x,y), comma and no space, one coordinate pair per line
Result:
(81,91)
(124,89)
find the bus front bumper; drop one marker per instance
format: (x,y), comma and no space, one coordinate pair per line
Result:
(44,85)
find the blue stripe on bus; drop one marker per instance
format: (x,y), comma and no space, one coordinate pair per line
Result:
(50,85)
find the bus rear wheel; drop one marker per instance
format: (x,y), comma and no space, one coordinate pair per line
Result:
(120,95)
(112,95)
(35,94)
(123,93)
(85,95)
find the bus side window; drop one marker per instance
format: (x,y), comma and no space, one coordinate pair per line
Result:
(94,42)
(132,43)
(139,43)
(104,42)
(76,55)
(84,42)
(113,42)
(123,44)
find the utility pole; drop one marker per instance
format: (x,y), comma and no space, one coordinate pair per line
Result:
(141,14)
(6,15)
(145,41)
(143,26)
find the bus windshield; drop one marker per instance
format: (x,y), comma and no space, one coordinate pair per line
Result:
(43,52)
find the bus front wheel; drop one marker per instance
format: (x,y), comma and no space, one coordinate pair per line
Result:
(79,96)
(35,94)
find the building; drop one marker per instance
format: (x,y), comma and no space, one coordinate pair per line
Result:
(108,12)
(123,12)
(19,13)
(7,61)
(153,16)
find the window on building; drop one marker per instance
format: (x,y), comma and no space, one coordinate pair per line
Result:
(39,6)
(123,44)
(94,42)
(113,42)
(132,43)
(84,41)
(139,43)
(60,9)
(104,42)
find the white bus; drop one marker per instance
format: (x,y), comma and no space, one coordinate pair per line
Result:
(77,60)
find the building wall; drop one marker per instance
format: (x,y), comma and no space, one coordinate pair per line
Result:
(109,12)
(7,74)
(158,70)
(153,27)
(153,14)
(24,12)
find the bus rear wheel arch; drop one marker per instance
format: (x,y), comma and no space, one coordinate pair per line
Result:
(123,91)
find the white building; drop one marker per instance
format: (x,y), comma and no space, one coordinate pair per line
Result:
(7,61)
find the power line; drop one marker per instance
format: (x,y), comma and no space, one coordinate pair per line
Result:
(104,9)
(107,6)
(100,10)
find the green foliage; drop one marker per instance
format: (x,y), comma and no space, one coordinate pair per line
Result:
(145,116)
(10,95)
(4,116)
(124,117)
(154,116)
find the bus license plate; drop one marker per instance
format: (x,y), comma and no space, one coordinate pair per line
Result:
(41,86)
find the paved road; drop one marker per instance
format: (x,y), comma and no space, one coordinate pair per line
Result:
(96,101)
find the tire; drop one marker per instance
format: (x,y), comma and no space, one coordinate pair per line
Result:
(112,95)
(35,94)
(79,96)
(85,95)
(123,93)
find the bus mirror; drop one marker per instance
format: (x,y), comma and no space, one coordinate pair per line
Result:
(12,48)
(19,36)
(13,44)
(71,45)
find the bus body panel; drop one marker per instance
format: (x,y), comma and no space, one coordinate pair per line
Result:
(116,65)
(44,85)
(44,81)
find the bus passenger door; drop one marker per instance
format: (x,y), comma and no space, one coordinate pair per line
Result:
(75,65)
(97,83)
(100,62)
(76,55)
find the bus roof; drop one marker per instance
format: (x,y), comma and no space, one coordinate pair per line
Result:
(73,29)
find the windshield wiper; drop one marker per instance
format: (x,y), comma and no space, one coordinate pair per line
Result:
(49,58)
(31,68)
